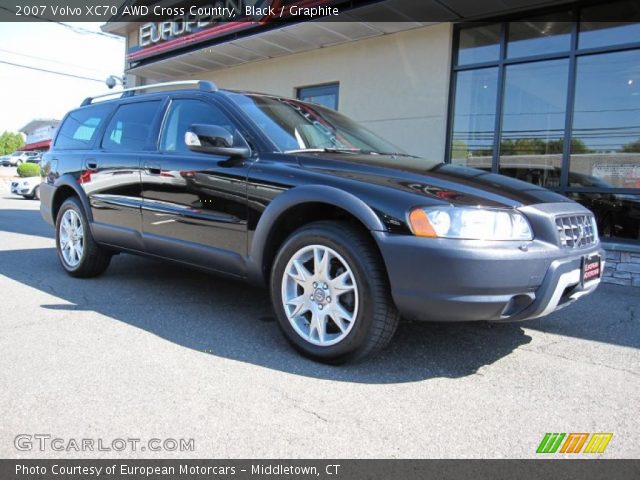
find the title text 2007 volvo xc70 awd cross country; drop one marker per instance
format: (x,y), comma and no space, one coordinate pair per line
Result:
(348,232)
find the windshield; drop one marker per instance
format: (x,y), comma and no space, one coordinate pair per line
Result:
(16,154)
(297,126)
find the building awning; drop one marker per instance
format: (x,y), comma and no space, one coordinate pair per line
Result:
(227,45)
(290,39)
(42,145)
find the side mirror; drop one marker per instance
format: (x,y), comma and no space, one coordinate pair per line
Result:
(215,140)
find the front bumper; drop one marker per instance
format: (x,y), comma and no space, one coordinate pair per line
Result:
(18,189)
(456,280)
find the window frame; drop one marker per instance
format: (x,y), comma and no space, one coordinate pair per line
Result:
(573,54)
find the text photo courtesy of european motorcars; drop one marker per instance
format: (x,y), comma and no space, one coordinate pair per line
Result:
(347,231)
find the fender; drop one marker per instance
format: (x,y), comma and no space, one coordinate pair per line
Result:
(69,180)
(293,198)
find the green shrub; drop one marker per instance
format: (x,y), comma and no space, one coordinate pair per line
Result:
(29,170)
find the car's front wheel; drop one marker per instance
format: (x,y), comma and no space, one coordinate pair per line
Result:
(331,293)
(78,252)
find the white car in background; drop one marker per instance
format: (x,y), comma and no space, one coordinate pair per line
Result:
(28,187)
(17,158)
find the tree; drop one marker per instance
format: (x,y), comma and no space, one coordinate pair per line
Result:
(538,146)
(10,142)
(459,149)
(633,147)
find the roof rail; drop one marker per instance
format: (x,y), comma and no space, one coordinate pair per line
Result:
(203,86)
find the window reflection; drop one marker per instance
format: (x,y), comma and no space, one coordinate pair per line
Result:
(597,31)
(541,35)
(618,215)
(533,121)
(606,124)
(479,44)
(474,119)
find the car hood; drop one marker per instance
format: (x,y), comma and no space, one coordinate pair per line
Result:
(439,182)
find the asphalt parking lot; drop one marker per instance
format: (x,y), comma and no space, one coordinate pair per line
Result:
(152,350)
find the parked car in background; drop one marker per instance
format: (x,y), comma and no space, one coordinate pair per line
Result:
(27,187)
(348,232)
(36,158)
(17,158)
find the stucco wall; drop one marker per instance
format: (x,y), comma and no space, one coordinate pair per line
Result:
(396,85)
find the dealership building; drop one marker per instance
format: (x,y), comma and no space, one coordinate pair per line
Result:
(38,134)
(547,92)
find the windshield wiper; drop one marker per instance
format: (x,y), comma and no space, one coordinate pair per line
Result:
(326,150)
(392,154)
(349,150)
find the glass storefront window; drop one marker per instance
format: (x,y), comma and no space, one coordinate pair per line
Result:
(479,44)
(533,120)
(590,153)
(474,119)
(596,31)
(605,149)
(539,36)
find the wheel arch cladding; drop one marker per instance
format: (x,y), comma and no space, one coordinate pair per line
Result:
(297,207)
(65,188)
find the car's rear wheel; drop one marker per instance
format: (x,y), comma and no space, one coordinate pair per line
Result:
(78,252)
(331,294)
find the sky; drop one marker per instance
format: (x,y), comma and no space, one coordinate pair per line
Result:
(29,94)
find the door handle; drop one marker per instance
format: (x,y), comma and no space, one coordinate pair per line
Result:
(92,164)
(153,169)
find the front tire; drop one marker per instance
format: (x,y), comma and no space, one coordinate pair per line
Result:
(36,193)
(78,252)
(331,294)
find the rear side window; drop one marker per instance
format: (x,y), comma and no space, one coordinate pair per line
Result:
(130,126)
(79,127)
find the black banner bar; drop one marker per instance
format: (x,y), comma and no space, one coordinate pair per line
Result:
(277,11)
(560,469)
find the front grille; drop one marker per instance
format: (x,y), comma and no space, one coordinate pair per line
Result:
(576,231)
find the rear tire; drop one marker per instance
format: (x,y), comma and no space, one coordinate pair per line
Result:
(331,293)
(78,252)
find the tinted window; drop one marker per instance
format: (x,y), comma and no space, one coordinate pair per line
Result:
(540,35)
(474,117)
(183,114)
(479,44)
(79,127)
(606,131)
(130,126)
(326,95)
(533,118)
(601,26)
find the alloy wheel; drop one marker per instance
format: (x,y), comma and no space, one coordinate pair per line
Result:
(320,295)
(71,238)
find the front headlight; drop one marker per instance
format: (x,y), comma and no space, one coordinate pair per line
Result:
(469,223)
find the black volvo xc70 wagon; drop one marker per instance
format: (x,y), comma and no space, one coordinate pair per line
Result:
(348,232)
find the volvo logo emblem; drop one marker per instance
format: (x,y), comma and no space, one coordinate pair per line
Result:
(319,295)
